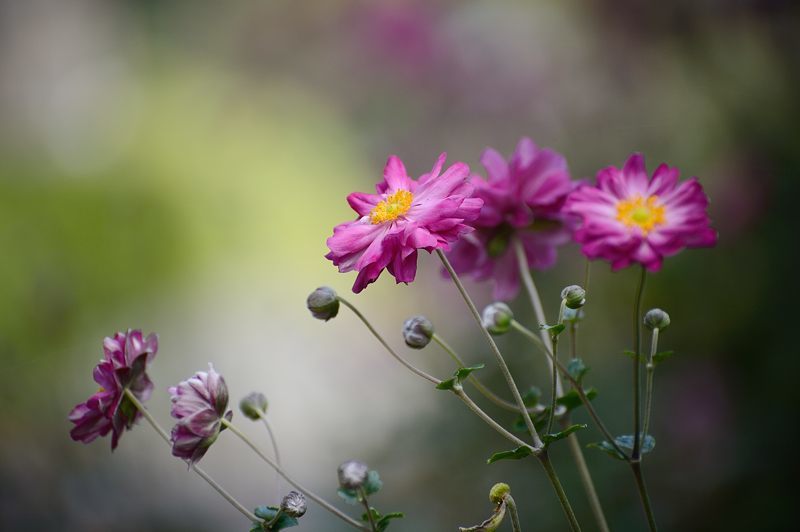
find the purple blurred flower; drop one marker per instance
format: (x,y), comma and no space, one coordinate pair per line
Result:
(199,405)
(522,198)
(124,366)
(628,217)
(405,215)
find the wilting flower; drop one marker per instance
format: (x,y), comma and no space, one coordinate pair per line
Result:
(124,366)
(522,199)
(405,215)
(628,217)
(199,405)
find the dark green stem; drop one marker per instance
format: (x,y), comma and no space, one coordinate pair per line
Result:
(636,467)
(637,350)
(371,519)
(512,510)
(544,459)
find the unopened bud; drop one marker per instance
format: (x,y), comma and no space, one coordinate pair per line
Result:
(499,492)
(574,296)
(497,318)
(253,405)
(417,331)
(352,474)
(294,504)
(323,303)
(656,319)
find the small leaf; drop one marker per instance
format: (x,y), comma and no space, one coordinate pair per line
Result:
(646,445)
(554,330)
(531,397)
(375,515)
(628,353)
(577,369)
(349,496)
(572,400)
(662,356)
(449,384)
(607,448)
(458,377)
(550,438)
(515,454)
(268,513)
(373,483)
(384,522)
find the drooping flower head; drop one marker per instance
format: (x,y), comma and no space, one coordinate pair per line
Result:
(522,199)
(124,366)
(630,218)
(405,215)
(199,404)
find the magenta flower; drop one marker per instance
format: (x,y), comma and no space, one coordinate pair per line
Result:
(199,405)
(628,217)
(523,199)
(404,216)
(124,366)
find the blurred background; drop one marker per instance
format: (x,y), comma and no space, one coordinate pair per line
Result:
(177,167)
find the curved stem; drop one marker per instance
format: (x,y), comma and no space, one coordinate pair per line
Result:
(201,473)
(370,518)
(648,510)
(576,386)
(311,495)
(482,388)
(459,392)
(377,335)
(637,350)
(586,478)
(544,459)
(648,402)
(272,439)
(537,442)
(512,510)
(555,384)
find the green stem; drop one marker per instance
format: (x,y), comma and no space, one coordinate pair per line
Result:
(555,387)
(636,467)
(274,520)
(512,510)
(311,495)
(537,442)
(377,335)
(461,394)
(371,519)
(544,459)
(201,473)
(586,478)
(648,402)
(482,388)
(637,350)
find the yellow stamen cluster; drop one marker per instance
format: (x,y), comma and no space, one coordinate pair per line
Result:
(392,207)
(644,213)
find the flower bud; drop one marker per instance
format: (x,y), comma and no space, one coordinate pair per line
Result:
(323,303)
(294,504)
(574,296)
(352,474)
(656,319)
(497,318)
(253,405)
(499,492)
(417,331)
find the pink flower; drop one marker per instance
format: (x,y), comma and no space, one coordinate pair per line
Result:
(199,405)
(404,216)
(523,199)
(124,366)
(628,217)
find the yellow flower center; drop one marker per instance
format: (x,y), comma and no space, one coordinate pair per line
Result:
(392,207)
(644,213)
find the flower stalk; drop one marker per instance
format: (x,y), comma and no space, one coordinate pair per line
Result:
(370,517)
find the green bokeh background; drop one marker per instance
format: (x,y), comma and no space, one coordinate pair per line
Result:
(177,166)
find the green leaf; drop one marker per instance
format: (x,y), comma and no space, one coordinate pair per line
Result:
(375,515)
(647,444)
(515,454)
(268,513)
(349,496)
(384,522)
(628,353)
(607,448)
(373,484)
(662,356)
(554,330)
(577,369)
(550,438)
(458,377)
(531,397)
(572,400)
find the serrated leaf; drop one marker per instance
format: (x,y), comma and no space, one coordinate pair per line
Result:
(514,454)
(577,369)
(607,448)
(647,443)
(268,513)
(550,438)
(458,377)
(349,496)
(662,356)
(384,522)
(572,400)
(554,330)
(373,483)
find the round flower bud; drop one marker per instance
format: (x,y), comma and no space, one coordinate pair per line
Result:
(352,474)
(417,331)
(574,296)
(499,492)
(656,319)
(294,504)
(323,303)
(253,405)
(497,318)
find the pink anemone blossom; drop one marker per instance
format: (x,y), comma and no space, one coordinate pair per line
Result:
(405,215)
(630,218)
(199,404)
(522,199)
(124,366)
